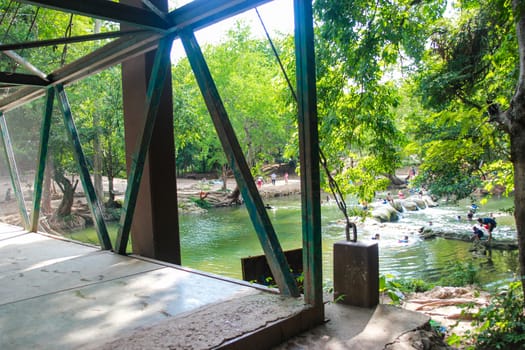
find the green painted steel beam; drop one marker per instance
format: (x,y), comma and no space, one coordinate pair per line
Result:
(258,215)
(85,178)
(66,40)
(199,14)
(195,15)
(160,70)
(42,157)
(106,10)
(118,50)
(308,153)
(13,170)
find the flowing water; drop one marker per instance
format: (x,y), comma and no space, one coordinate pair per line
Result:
(216,241)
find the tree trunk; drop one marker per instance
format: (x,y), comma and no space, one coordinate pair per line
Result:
(111,189)
(46,190)
(97,149)
(518,159)
(235,196)
(68,190)
(513,122)
(396,181)
(97,161)
(224,177)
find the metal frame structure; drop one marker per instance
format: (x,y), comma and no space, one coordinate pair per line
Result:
(155,29)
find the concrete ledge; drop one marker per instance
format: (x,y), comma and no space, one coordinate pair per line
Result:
(258,320)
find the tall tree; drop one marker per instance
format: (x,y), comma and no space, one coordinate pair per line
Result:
(359,43)
(250,84)
(512,121)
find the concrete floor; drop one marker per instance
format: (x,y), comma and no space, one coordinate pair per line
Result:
(56,294)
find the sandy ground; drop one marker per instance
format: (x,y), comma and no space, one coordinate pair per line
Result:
(185,188)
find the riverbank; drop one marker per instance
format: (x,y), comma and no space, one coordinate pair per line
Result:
(188,191)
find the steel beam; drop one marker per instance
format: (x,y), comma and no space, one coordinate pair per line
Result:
(106,10)
(261,222)
(113,53)
(21,79)
(160,70)
(13,170)
(308,154)
(202,13)
(66,40)
(42,157)
(87,184)
(195,15)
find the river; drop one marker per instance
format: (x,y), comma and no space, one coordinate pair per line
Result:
(217,240)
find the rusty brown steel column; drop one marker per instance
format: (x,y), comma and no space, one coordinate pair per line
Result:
(155,227)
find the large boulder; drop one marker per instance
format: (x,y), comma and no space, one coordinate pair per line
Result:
(429,201)
(385,213)
(410,205)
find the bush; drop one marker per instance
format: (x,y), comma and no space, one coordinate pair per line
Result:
(397,288)
(501,325)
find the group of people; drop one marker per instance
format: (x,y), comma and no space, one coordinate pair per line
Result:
(390,199)
(376,237)
(487,225)
(273,178)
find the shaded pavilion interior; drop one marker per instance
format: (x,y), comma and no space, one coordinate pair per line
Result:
(142,46)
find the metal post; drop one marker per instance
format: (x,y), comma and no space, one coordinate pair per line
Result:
(160,70)
(85,177)
(42,156)
(254,204)
(309,153)
(13,171)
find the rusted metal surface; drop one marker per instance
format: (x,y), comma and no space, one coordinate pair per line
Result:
(159,72)
(42,156)
(258,215)
(87,184)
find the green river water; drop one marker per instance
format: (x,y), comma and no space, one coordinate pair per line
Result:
(216,241)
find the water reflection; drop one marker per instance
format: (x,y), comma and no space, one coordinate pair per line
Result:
(215,242)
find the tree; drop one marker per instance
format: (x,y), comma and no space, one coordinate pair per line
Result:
(359,43)
(476,58)
(250,83)
(512,121)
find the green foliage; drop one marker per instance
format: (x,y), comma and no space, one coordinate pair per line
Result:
(357,50)
(454,145)
(253,92)
(397,288)
(201,203)
(413,285)
(499,173)
(362,179)
(467,56)
(460,274)
(499,325)
(391,288)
